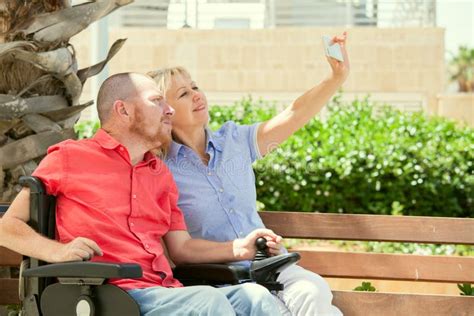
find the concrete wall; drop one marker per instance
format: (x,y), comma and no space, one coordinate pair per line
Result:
(287,61)
(459,107)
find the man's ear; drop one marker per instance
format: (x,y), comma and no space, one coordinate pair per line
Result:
(121,110)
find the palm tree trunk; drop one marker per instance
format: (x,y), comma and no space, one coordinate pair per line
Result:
(40,84)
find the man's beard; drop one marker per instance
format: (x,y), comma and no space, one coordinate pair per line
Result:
(157,142)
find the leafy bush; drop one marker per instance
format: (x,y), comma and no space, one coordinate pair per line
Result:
(13,310)
(360,160)
(363,160)
(86,129)
(466,289)
(365,287)
(461,67)
(246,111)
(405,248)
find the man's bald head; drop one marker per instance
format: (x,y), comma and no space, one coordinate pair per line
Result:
(117,87)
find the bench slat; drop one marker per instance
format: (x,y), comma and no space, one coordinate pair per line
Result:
(389,266)
(9,291)
(387,304)
(371,227)
(350,303)
(9,258)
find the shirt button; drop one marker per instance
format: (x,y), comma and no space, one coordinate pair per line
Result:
(221,190)
(134,196)
(241,233)
(209,173)
(231,210)
(147,246)
(121,148)
(132,224)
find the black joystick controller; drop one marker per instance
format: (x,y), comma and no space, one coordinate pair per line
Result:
(264,269)
(261,244)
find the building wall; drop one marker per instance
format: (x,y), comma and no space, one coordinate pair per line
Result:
(459,107)
(387,62)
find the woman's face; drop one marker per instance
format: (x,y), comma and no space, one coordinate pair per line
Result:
(189,103)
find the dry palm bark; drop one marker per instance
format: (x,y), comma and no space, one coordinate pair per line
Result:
(40,83)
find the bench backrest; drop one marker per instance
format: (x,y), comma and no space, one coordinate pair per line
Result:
(8,258)
(367,266)
(42,219)
(355,265)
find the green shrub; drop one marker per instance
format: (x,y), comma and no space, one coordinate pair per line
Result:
(461,68)
(361,160)
(13,310)
(86,129)
(365,287)
(405,248)
(466,289)
(245,111)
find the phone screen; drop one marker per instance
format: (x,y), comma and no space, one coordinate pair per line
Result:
(332,49)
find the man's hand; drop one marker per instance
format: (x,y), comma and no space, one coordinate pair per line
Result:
(244,249)
(79,249)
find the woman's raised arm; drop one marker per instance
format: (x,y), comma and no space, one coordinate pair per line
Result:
(273,132)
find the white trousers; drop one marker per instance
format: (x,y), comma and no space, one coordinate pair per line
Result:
(305,294)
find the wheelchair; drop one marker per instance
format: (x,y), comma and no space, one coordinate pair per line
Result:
(80,288)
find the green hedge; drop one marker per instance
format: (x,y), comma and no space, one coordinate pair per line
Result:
(363,160)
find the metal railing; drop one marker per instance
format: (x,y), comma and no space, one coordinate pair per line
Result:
(209,14)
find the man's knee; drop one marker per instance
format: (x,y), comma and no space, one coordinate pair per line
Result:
(212,295)
(251,300)
(306,283)
(255,293)
(311,289)
(216,303)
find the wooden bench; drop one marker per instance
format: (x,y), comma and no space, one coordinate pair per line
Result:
(368,266)
(8,286)
(365,266)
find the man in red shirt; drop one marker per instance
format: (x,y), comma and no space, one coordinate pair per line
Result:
(116,201)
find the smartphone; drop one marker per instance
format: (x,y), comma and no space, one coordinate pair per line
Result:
(332,49)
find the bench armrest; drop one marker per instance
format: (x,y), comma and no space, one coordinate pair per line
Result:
(86,270)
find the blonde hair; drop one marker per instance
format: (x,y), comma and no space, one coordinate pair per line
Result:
(163,76)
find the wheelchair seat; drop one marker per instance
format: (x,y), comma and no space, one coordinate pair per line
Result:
(72,288)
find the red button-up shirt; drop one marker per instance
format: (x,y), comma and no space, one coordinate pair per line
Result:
(125,209)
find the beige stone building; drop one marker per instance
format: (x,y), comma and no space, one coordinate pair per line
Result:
(404,67)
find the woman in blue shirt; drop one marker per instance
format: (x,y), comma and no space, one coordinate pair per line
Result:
(213,171)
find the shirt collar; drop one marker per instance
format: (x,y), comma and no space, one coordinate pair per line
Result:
(212,141)
(175,147)
(106,141)
(151,160)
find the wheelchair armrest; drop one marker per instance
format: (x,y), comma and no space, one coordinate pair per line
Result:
(212,274)
(267,269)
(263,272)
(86,270)
(81,289)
